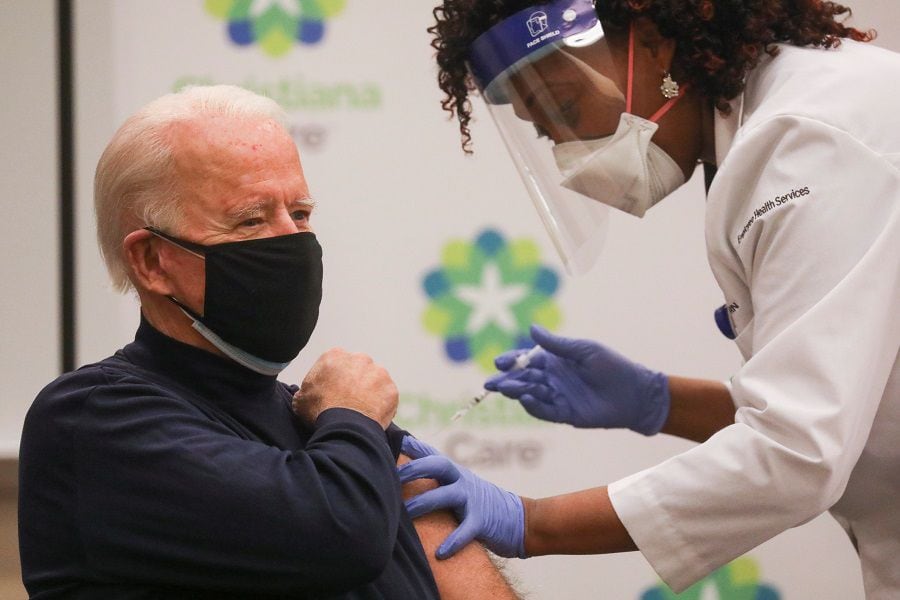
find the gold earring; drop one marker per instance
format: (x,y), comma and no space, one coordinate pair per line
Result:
(669,87)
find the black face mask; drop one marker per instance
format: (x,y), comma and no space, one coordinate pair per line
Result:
(262,296)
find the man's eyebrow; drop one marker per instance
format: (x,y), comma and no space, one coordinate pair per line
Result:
(259,207)
(307,202)
(245,211)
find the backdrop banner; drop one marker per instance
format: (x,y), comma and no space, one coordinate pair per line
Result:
(435,262)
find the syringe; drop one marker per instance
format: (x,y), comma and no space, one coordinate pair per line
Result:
(521,362)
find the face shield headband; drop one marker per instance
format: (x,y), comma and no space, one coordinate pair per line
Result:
(531,33)
(528,34)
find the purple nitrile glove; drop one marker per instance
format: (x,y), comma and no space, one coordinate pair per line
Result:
(585,384)
(486,512)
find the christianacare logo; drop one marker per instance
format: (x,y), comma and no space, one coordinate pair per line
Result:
(738,580)
(486,294)
(276,25)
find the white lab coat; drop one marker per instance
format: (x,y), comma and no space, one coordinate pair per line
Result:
(803,236)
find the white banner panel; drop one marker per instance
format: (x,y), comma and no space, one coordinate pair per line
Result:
(435,262)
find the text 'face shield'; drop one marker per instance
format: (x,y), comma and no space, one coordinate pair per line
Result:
(555,90)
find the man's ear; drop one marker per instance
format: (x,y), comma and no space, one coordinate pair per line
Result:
(141,252)
(661,49)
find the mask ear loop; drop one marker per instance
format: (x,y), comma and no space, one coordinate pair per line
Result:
(668,105)
(188,247)
(628,94)
(197,250)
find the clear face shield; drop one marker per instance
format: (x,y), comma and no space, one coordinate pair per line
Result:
(561,99)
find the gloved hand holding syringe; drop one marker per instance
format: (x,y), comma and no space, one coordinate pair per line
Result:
(521,362)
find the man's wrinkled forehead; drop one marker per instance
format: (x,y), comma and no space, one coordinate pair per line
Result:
(229,169)
(226,148)
(215,134)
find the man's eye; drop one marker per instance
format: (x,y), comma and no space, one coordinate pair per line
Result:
(250,222)
(300,215)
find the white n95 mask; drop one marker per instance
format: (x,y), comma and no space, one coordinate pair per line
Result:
(625,170)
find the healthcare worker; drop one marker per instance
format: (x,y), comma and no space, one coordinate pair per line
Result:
(614,102)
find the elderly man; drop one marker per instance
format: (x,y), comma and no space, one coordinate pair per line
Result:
(176,468)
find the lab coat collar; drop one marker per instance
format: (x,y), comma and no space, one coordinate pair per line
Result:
(725,127)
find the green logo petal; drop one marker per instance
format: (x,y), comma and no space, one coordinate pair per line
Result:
(275,25)
(738,580)
(219,8)
(331,8)
(275,42)
(485,295)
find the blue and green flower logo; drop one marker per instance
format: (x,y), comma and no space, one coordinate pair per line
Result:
(486,294)
(275,24)
(738,580)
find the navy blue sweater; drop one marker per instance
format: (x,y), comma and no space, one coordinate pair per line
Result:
(166,471)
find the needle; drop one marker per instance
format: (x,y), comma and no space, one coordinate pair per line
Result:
(522,361)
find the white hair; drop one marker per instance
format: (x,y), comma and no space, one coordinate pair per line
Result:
(135,183)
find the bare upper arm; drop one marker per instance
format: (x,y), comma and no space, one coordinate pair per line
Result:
(470,573)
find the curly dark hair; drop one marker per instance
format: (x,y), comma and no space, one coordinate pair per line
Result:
(717,41)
